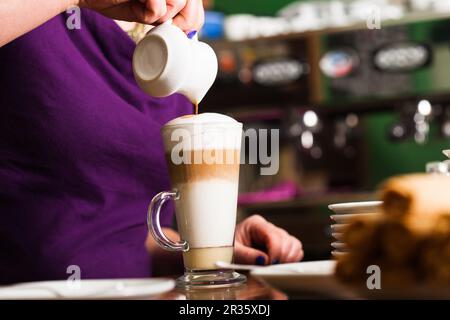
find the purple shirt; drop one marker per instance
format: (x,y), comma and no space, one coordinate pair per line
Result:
(80,153)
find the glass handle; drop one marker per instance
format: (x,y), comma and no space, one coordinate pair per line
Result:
(154,226)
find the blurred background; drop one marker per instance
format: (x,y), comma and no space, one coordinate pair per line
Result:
(360,91)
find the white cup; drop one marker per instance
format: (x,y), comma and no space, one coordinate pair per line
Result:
(166,61)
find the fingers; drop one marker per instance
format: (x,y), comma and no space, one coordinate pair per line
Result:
(295,252)
(276,245)
(97,5)
(173,8)
(265,233)
(156,9)
(281,246)
(248,255)
(289,248)
(191,17)
(149,12)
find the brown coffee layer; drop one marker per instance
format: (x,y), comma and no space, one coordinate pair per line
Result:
(202,166)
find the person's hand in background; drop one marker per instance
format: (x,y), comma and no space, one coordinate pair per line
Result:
(187,14)
(260,242)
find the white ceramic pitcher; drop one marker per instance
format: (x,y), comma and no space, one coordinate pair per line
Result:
(167,61)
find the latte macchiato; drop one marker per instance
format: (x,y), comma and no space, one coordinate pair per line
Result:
(203,156)
(203,153)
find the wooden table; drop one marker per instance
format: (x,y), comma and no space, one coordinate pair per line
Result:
(252,290)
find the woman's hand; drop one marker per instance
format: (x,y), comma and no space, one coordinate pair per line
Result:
(187,14)
(17,17)
(260,242)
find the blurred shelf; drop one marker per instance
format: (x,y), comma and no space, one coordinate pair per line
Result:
(312,90)
(408,18)
(313,200)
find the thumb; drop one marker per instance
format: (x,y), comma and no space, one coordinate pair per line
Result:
(248,255)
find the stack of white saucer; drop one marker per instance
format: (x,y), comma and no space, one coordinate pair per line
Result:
(344,214)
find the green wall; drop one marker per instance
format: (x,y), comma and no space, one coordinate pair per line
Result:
(387,158)
(257,7)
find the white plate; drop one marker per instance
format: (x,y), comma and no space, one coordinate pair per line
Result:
(304,277)
(356,207)
(338,228)
(339,246)
(87,289)
(338,236)
(348,218)
(337,254)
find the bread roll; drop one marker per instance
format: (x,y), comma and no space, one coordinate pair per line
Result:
(416,195)
(409,240)
(398,242)
(435,261)
(361,233)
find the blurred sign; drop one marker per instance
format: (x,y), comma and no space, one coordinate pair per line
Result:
(278,72)
(339,63)
(401,57)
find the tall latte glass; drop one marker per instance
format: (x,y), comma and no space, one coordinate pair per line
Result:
(203,153)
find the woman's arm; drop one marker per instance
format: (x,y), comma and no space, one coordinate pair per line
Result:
(17,17)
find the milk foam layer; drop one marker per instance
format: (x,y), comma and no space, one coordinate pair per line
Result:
(202,131)
(206,212)
(202,118)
